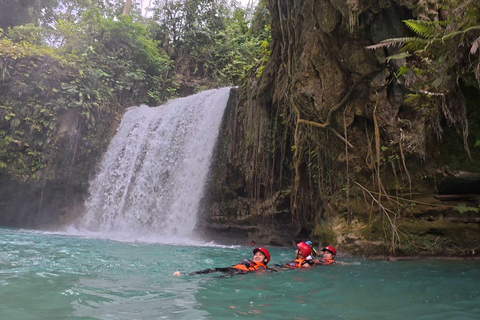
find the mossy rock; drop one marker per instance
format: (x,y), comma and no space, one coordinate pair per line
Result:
(325,234)
(440,237)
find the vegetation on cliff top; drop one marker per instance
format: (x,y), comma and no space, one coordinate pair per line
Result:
(68,69)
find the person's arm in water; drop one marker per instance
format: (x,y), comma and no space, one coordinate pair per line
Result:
(222,270)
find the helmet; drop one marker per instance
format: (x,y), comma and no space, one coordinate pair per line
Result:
(304,248)
(331,249)
(264,251)
(309,243)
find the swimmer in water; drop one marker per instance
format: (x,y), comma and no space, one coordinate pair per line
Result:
(261,257)
(302,258)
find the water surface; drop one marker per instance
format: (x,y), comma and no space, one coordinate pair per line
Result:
(52,276)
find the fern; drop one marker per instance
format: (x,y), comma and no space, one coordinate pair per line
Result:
(393,42)
(439,55)
(420,28)
(402,71)
(398,56)
(453,34)
(462,208)
(412,97)
(417,45)
(426,29)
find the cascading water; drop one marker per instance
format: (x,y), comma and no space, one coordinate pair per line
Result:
(152,176)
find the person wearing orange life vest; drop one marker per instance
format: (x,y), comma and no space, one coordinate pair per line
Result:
(329,254)
(301,254)
(261,257)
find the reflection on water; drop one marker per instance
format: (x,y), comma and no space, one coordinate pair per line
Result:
(46,276)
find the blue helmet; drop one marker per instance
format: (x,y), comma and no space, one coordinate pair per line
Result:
(308,242)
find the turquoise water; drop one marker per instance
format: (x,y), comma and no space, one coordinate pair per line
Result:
(51,276)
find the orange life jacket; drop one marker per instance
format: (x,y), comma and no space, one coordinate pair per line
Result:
(297,263)
(252,266)
(326,261)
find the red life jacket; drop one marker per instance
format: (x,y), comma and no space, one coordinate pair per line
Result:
(298,263)
(249,265)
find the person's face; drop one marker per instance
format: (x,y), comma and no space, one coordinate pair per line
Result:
(258,256)
(327,255)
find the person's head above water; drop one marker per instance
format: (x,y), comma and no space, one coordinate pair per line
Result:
(329,252)
(303,250)
(261,255)
(314,252)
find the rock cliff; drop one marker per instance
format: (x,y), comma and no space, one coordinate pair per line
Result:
(322,145)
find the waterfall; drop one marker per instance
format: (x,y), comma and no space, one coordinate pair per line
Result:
(152,176)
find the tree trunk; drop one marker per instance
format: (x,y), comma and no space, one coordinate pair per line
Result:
(126,9)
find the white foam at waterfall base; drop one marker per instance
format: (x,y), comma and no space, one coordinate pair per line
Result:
(152,177)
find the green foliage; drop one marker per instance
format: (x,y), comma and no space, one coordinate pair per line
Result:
(124,56)
(46,13)
(238,49)
(100,65)
(324,234)
(66,76)
(426,29)
(439,57)
(27,34)
(463,208)
(441,61)
(20,12)
(211,41)
(399,56)
(27,124)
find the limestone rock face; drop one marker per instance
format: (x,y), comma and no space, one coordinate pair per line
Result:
(322,145)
